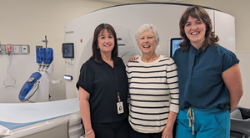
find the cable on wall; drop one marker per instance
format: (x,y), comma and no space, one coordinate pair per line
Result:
(9,73)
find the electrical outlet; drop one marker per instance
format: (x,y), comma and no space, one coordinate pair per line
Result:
(24,49)
(16,49)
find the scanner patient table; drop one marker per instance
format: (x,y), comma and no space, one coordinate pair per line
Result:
(41,120)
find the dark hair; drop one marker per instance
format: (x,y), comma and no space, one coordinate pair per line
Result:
(96,55)
(198,13)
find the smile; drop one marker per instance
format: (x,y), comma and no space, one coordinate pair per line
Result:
(195,33)
(107,45)
(146,46)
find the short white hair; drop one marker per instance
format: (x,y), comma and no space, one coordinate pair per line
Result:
(146,27)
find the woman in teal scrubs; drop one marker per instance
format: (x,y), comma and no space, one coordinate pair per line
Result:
(209,79)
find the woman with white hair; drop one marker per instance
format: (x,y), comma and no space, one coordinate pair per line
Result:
(153,89)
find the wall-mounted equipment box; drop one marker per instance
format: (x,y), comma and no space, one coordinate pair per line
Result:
(16,49)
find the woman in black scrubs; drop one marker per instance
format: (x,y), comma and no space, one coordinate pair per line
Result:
(103,87)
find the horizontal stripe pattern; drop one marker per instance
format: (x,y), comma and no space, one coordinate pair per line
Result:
(153,93)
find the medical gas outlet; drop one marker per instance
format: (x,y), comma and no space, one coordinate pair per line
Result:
(25,49)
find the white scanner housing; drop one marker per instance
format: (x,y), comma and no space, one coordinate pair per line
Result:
(126,19)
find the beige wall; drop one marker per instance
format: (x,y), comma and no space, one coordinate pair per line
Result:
(28,21)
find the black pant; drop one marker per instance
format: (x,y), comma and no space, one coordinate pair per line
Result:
(135,134)
(111,130)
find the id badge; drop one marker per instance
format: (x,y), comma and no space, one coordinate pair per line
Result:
(120,109)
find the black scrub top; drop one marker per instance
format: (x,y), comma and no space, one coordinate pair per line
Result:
(96,79)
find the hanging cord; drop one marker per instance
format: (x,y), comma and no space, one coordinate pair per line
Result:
(9,72)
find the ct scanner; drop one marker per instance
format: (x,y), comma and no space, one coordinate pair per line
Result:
(125,19)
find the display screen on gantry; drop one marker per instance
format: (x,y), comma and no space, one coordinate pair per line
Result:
(174,45)
(68,50)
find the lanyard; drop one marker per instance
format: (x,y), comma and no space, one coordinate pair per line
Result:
(115,81)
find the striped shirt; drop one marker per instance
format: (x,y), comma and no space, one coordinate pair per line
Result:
(153,92)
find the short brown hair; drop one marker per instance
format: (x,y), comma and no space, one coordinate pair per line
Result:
(198,13)
(96,55)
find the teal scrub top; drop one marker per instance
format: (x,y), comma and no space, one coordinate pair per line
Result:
(200,77)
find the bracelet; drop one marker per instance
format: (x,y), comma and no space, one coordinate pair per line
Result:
(88,133)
